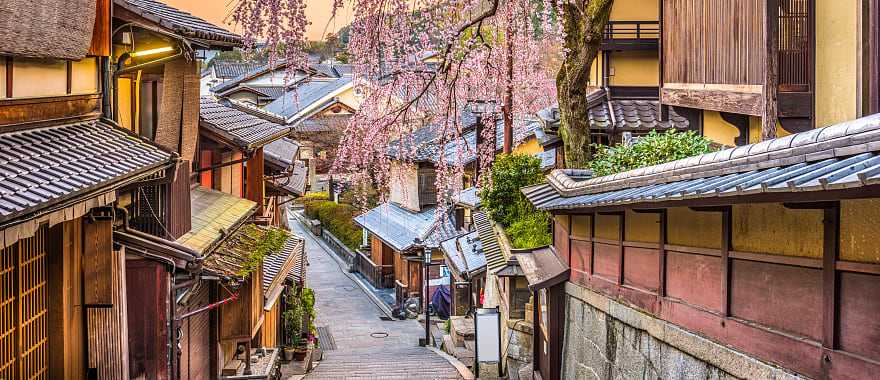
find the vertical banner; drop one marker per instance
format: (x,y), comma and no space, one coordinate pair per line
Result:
(487,328)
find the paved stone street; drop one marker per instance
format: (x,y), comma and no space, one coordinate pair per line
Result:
(366,346)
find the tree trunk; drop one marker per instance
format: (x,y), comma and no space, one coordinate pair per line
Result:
(584,22)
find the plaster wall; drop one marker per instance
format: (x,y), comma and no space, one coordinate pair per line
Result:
(580,226)
(405,185)
(635,10)
(607,226)
(859,229)
(634,68)
(773,229)
(2,77)
(694,229)
(642,227)
(837,60)
(38,77)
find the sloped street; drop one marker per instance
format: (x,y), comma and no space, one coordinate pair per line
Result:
(363,346)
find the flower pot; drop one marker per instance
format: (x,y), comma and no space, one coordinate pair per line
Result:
(299,353)
(288,353)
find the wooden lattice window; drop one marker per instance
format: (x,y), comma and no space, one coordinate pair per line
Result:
(24,339)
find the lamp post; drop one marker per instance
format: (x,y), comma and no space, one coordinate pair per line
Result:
(481,108)
(427,264)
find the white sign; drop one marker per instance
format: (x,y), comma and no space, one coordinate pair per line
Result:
(487,323)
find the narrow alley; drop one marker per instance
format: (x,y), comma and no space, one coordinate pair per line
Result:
(362,345)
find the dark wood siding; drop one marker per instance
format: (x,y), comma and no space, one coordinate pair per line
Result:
(147,284)
(195,341)
(713,41)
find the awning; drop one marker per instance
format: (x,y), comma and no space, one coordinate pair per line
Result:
(180,22)
(465,255)
(236,127)
(295,184)
(542,268)
(58,173)
(287,265)
(214,216)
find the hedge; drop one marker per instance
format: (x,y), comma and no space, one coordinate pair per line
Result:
(338,218)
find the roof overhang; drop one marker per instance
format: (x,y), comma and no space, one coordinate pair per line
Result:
(542,268)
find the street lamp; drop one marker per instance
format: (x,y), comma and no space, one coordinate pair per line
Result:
(427,264)
(481,108)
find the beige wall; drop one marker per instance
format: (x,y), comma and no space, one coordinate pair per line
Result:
(718,130)
(642,227)
(634,68)
(405,185)
(694,229)
(607,226)
(773,229)
(859,229)
(837,61)
(38,77)
(84,76)
(580,226)
(2,77)
(123,87)
(635,10)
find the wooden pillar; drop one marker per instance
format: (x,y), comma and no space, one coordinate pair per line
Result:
(255,179)
(726,238)
(830,252)
(621,237)
(64,270)
(771,75)
(873,56)
(592,243)
(661,254)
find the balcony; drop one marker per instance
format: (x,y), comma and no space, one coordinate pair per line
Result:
(631,35)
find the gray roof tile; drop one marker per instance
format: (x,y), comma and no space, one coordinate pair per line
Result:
(401,228)
(180,22)
(46,165)
(241,128)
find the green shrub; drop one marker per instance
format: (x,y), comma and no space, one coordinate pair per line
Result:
(338,218)
(651,149)
(502,198)
(530,231)
(503,201)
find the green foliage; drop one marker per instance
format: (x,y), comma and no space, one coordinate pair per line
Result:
(447,325)
(338,218)
(502,199)
(260,244)
(307,300)
(293,319)
(506,205)
(530,231)
(651,149)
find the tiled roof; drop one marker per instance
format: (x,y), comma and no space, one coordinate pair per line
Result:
(231,69)
(491,248)
(214,214)
(403,229)
(423,144)
(465,253)
(44,166)
(843,156)
(469,198)
(548,159)
(282,151)
(295,184)
(633,115)
(304,96)
(241,128)
(289,264)
(180,22)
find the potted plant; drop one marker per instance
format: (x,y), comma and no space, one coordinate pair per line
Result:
(293,323)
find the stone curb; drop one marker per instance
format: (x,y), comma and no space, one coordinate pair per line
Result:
(463,370)
(343,266)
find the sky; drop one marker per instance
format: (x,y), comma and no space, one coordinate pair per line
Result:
(218,11)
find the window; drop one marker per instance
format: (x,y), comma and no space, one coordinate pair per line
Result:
(24,339)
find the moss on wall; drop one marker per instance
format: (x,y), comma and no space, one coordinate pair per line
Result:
(859,229)
(773,229)
(695,229)
(642,227)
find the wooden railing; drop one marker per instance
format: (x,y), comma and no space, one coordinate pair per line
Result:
(268,216)
(631,35)
(380,276)
(342,251)
(401,292)
(148,210)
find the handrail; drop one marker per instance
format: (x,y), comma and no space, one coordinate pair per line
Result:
(632,30)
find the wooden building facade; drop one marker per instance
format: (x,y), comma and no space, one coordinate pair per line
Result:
(732,253)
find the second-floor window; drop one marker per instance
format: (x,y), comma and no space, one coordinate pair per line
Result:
(427,187)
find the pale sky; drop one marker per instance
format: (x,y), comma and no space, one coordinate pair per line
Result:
(218,11)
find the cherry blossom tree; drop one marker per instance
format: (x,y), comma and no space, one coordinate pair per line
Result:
(418,63)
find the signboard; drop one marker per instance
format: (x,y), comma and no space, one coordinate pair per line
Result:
(487,329)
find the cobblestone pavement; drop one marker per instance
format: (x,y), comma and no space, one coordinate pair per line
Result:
(366,346)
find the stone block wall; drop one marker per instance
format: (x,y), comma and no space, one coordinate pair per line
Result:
(598,344)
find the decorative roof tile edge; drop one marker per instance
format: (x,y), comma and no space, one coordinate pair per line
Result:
(843,139)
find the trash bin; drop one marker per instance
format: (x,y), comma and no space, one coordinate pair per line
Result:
(316,227)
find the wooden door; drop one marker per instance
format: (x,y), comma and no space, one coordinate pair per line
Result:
(24,309)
